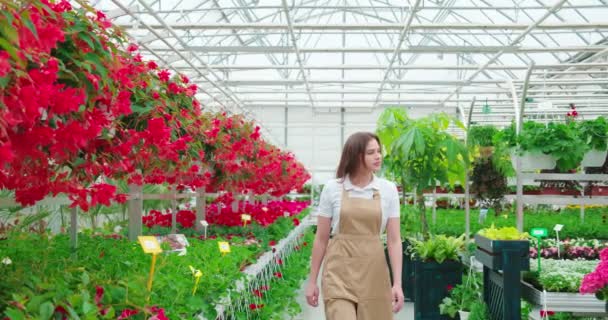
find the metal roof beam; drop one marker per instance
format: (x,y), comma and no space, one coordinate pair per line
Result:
(298,55)
(379,26)
(517,39)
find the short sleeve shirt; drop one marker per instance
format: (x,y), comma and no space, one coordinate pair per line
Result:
(331,199)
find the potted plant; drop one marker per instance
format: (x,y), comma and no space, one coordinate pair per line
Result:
(543,147)
(422,153)
(488,184)
(595,134)
(481,136)
(462,297)
(437,268)
(442,202)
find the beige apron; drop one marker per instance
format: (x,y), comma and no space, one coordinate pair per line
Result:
(356,282)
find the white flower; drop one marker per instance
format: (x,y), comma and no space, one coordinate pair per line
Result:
(117,229)
(7,261)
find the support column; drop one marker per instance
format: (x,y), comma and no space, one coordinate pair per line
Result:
(136,204)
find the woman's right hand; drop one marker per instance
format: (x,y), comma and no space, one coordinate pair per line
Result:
(312,293)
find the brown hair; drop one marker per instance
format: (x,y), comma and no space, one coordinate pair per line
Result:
(354,152)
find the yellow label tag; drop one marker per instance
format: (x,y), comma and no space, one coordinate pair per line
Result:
(246,217)
(150,244)
(224,246)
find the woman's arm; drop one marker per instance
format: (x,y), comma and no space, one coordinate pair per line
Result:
(318,252)
(395,252)
(319,246)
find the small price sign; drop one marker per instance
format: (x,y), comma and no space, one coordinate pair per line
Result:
(204,223)
(539,232)
(246,217)
(150,244)
(224,247)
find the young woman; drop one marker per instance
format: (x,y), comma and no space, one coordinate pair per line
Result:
(354,211)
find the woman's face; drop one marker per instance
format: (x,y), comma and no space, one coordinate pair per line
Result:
(373,156)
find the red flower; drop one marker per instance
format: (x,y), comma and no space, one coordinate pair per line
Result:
(305,243)
(132,47)
(279,261)
(163,75)
(98,294)
(450,287)
(155,95)
(278,275)
(544,313)
(126,313)
(255,306)
(296,222)
(5,65)
(152,65)
(272,243)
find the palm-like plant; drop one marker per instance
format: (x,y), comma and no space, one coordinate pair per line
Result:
(421,153)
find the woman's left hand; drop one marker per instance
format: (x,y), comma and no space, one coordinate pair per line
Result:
(397,294)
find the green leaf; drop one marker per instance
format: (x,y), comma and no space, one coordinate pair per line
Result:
(46,310)
(94,58)
(72,312)
(85,278)
(86,38)
(12,51)
(15,314)
(28,23)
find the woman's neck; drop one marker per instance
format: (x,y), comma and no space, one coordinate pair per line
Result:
(361,179)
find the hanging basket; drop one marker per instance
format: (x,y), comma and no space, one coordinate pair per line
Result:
(594,158)
(533,161)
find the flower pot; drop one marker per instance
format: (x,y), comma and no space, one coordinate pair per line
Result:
(594,158)
(432,282)
(463,315)
(533,161)
(442,204)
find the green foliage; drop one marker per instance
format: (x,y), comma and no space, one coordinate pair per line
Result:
(481,135)
(421,149)
(479,311)
(280,300)
(438,248)
(504,233)
(61,278)
(462,296)
(420,153)
(594,133)
(452,221)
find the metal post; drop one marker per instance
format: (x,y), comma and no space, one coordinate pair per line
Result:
(434,204)
(74,228)
(201,205)
(520,187)
(135,208)
(174,212)
(467,189)
(582,208)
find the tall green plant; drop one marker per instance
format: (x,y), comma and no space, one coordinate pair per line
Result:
(420,153)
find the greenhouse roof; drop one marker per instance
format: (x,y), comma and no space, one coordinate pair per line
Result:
(356,57)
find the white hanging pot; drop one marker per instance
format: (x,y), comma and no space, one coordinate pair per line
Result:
(533,161)
(594,158)
(464,315)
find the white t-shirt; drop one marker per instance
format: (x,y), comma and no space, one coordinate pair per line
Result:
(331,199)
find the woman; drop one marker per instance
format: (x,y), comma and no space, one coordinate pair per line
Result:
(358,207)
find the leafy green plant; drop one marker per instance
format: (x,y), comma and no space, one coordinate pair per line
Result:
(438,248)
(452,221)
(481,135)
(479,311)
(504,233)
(594,133)
(463,296)
(420,153)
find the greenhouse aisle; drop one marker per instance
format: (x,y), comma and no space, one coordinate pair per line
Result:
(310,313)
